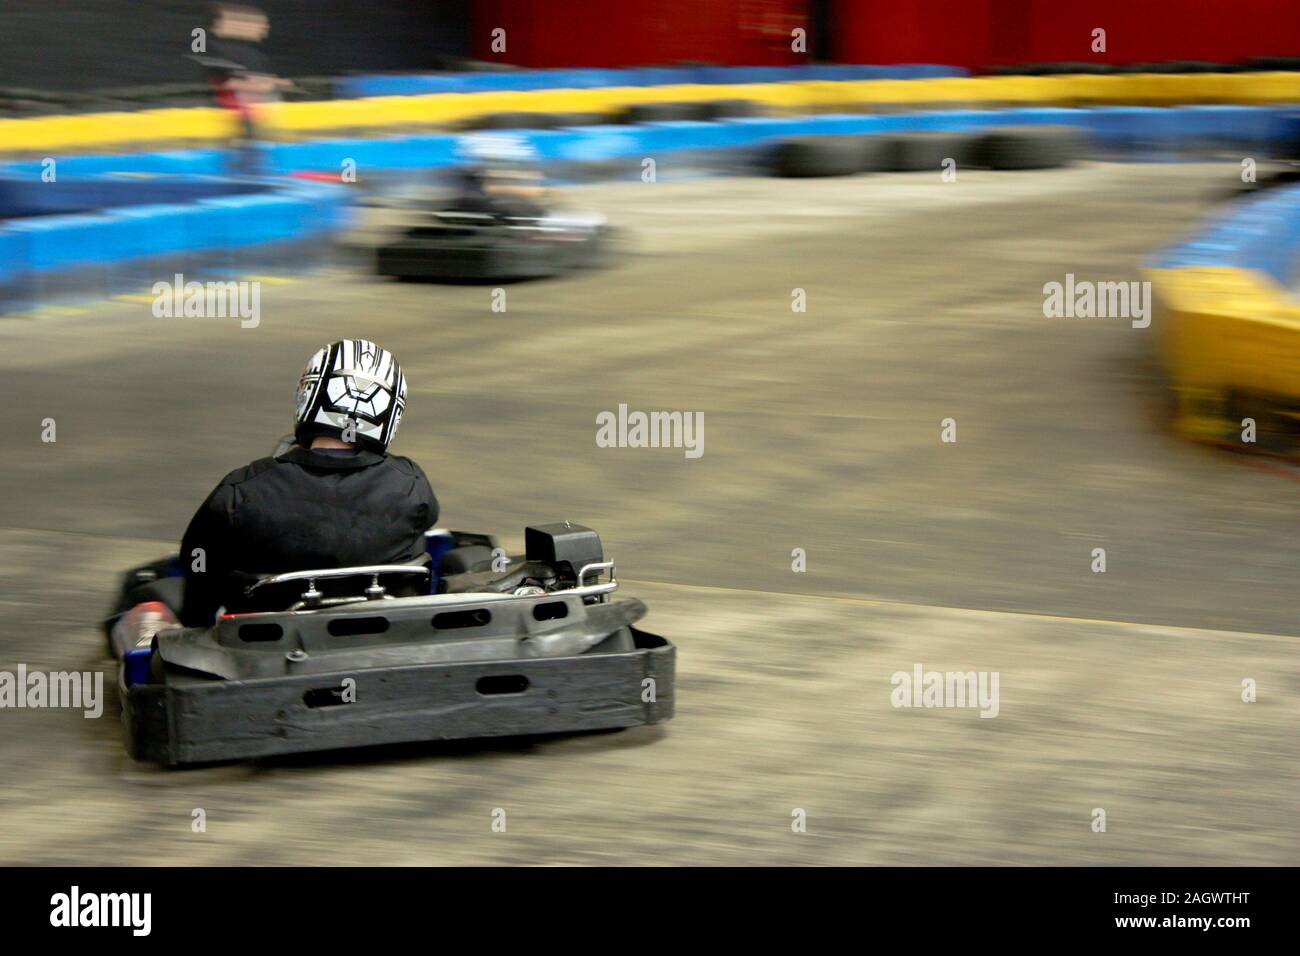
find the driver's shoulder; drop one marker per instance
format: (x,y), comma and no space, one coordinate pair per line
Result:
(249,471)
(401,463)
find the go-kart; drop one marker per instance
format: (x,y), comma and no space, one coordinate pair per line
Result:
(466,644)
(495,245)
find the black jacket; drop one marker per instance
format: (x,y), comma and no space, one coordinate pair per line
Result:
(299,511)
(228,57)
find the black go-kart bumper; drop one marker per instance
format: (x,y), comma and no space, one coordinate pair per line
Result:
(414,257)
(493,252)
(189,718)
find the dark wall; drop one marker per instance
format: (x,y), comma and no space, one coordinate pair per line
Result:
(93,44)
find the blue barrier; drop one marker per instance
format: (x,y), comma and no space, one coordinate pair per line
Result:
(149,220)
(407,152)
(1261,232)
(178,215)
(196,162)
(520,80)
(47,242)
(1127,128)
(13,255)
(70,193)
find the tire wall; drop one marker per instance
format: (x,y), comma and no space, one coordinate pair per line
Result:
(288,121)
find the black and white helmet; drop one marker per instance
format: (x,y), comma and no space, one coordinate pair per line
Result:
(351,382)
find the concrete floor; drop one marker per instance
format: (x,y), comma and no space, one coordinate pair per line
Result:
(1120,691)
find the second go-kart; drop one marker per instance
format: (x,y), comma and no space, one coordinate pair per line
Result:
(473,246)
(498,226)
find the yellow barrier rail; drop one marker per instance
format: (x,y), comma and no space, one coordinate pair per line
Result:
(155,128)
(1231,343)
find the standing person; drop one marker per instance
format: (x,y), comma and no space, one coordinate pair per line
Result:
(240,74)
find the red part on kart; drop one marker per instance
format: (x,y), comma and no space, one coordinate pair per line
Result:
(319,176)
(137,627)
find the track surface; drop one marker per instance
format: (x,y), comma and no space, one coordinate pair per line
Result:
(1118,690)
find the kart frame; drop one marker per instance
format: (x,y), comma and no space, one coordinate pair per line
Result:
(475,246)
(385,670)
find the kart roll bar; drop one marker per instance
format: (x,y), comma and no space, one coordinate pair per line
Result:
(376,591)
(454,214)
(312,595)
(595,568)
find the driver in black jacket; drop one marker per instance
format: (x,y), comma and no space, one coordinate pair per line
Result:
(336,499)
(499,177)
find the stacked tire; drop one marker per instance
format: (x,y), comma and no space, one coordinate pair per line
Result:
(842,155)
(709,110)
(1029,147)
(1013,147)
(524,120)
(700,111)
(930,150)
(660,112)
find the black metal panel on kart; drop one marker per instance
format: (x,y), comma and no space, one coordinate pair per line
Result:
(486,248)
(368,634)
(563,543)
(473,258)
(191,719)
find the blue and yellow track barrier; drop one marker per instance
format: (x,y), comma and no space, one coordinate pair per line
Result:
(101,132)
(1230,326)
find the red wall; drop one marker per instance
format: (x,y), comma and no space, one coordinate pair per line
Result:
(561,33)
(978,33)
(971,33)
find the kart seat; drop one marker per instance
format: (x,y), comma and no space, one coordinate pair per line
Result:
(466,558)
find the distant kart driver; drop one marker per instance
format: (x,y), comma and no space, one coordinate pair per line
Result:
(500,177)
(335,499)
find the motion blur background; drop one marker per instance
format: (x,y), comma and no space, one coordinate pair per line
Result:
(123,42)
(796,146)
